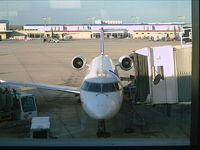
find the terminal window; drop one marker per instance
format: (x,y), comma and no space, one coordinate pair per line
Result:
(33,50)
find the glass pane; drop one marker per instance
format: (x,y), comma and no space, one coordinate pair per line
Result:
(94,87)
(109,87)
(117,86)
(85,85)
(39,39)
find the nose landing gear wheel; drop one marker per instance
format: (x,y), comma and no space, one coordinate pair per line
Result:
(102,130)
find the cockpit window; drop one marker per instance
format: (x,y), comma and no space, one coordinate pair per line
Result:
(94,87)
(85,86)
(101,87)
(117,86)
(108,87)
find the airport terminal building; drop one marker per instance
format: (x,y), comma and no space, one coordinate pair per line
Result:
(4,29)
(91,31)
(114,29)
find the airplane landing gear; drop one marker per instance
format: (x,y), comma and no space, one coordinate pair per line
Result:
(102,129)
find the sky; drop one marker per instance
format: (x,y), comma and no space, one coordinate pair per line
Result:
(21,12)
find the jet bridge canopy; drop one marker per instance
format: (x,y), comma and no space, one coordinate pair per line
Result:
(142,77)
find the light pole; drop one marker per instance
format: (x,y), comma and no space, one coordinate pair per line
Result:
(90,18)
(181,36)
(45,22)
(182,30)
(182,18)
(49,20)
(135,18)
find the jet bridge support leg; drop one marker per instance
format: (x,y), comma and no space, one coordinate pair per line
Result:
(102,129)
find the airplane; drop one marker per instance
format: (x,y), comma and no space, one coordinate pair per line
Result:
(101,91)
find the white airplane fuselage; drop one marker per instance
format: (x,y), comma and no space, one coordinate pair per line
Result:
(101,92)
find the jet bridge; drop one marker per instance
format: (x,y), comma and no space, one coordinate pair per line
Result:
(163,74)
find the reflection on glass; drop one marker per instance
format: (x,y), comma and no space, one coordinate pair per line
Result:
(131,27)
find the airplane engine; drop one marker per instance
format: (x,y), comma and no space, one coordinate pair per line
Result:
(79,62)
(125,63)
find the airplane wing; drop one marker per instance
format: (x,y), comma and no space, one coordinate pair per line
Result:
(62,88)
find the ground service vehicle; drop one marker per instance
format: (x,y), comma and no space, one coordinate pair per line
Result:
(15,104)
(40,127)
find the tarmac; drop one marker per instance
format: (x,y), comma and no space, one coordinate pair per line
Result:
(50,63)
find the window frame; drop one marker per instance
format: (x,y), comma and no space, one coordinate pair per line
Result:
(193,141)
(194,136)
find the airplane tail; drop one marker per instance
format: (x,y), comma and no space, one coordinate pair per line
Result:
(102,41)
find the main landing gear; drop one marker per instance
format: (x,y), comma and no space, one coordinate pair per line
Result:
(102,129)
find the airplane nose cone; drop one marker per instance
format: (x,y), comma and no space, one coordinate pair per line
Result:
(101,106)
(98,111)
(101,112)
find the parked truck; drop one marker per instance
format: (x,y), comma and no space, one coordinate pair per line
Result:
(15,104)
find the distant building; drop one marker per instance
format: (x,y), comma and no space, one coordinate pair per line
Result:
(187,35)
(113,29)
(108,22)
(107,25)
(16,27)
(4,29)
(42,27)
(4,25)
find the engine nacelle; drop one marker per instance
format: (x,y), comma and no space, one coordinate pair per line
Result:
(125,63)
(79,62)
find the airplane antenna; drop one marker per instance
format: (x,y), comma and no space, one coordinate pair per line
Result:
(102,41)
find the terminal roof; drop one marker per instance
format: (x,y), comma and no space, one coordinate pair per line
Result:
(4,21)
